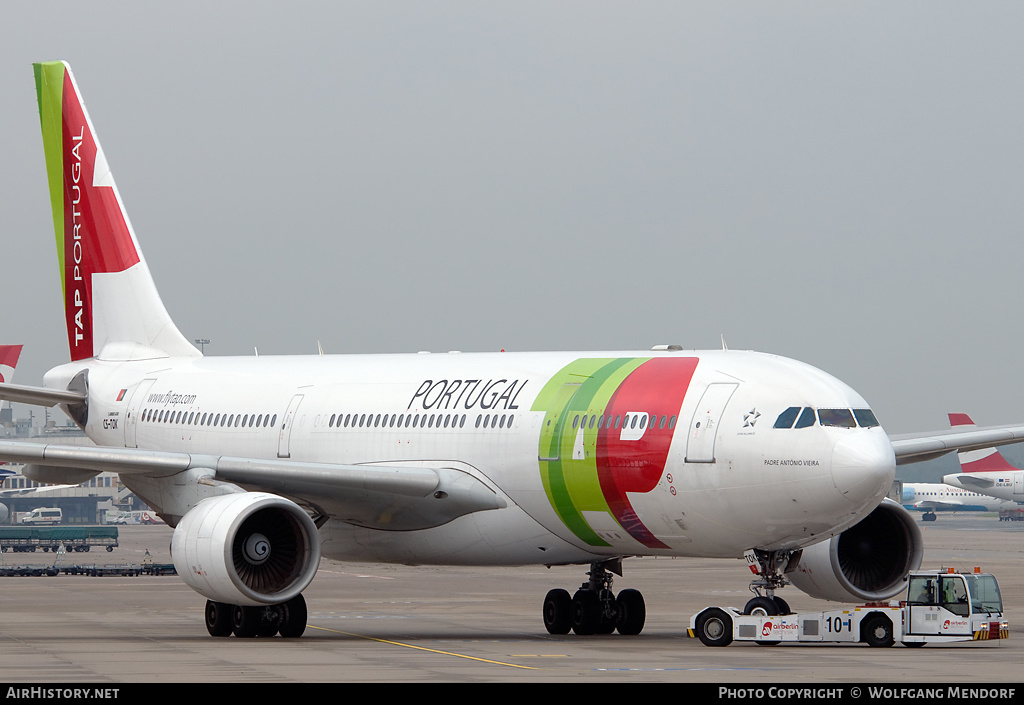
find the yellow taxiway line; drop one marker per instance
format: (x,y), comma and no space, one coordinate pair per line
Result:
(423,648)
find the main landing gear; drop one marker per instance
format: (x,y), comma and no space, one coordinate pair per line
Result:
(595,609)
(287,619)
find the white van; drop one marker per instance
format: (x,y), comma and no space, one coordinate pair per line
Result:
(43,516)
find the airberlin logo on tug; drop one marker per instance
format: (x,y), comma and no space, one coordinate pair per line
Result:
(90,207)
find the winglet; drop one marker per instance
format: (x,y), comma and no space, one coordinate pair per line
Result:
(109,295)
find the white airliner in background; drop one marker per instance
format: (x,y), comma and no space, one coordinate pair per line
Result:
(985,471)
(263,464)
(932,497)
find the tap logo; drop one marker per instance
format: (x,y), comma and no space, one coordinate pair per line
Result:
(607,429)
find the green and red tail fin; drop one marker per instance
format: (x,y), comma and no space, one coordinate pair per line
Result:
(111,305)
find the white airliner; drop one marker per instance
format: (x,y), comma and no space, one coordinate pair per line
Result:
(263,464)
(985,471)
(932,497)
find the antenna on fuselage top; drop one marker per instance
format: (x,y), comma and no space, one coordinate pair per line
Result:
(724,346)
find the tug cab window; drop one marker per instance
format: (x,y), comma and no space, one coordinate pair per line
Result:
(985,595)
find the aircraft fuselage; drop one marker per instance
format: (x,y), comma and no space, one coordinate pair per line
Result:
(594,454)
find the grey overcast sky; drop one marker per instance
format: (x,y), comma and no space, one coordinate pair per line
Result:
(835,182)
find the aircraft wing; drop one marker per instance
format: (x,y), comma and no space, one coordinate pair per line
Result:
(981,483)
(937,504)
(376,496)
(917,447)
(40,396)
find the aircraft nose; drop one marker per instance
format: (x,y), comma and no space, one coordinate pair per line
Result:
(863,466)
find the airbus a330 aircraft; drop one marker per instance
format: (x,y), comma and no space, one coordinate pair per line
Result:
(985,471)
(263,464)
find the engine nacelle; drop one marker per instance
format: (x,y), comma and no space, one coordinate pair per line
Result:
(867,562)
(248,549)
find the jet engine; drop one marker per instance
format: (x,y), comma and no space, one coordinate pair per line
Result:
(867,562)
(248,549)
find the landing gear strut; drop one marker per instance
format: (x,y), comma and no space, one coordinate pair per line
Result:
(595,609)
(770,568)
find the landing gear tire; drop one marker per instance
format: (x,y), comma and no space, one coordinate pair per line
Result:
(245,621)
(632,612)
(218,618)
(585,612)
(764,606)
(782,605)
(877,632)
(714,627)
(557,612)
(293,617)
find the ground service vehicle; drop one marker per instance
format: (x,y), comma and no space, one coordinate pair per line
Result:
(141,517)
(23,539)
(43,516)
(940,607)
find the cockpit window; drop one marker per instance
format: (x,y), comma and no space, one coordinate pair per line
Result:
(806,418)
(837,417)
(787,417)
(865,418)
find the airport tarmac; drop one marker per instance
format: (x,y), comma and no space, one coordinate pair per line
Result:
(396,624)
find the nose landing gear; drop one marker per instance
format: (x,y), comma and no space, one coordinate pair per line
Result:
(595,609)
(770,568)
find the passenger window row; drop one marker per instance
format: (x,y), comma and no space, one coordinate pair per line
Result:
(638,421)
(418,421)
(195,418)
